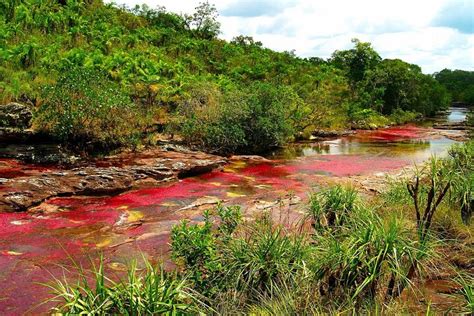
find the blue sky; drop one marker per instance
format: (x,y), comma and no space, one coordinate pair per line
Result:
(434,34)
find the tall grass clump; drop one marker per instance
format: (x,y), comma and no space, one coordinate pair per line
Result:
(148,291)
(466,283)
(331,207)
(461,164)
(244,261)
(367,257)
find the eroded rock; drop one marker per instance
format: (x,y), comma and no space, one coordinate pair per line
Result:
(122,173)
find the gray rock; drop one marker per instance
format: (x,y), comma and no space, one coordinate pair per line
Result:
(15,115)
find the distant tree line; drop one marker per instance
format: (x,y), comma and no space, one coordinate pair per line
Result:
(459,83)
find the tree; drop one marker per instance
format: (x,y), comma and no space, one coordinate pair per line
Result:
(400,85)
(203,22)
(459,83)
(243,40)
(357,61)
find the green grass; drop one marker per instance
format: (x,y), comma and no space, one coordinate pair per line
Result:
(466,283)
(149,292)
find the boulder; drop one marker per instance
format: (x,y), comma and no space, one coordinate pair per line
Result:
(15,115)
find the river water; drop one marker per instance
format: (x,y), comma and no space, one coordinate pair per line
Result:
(137,223)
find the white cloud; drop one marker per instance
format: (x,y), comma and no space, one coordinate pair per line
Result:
(411,30)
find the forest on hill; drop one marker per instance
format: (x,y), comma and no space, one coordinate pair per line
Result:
(112,76)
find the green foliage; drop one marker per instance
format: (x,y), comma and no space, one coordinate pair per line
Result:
(364,118)
(364,258)
(203,22)
(461,166)
(330,207)
(253,260)
(265,257)
(400,116)
(395,84)
(360,261)
(149,292)
(254,118)
(459,83)
(466,283)
(85,106)
(195,248)
(356,62)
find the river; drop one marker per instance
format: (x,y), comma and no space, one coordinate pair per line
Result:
(138,222)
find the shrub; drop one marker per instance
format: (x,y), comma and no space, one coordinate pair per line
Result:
(400,116)
(252,119)
(151,292)
(364,118)
(253,260)
(265,257)
(363,258)
(84,106)
(461,165)
(194,247)
(208,122)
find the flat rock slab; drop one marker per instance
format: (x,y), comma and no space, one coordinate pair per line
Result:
(107,176)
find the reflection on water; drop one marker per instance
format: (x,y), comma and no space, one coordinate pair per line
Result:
(410,142)
(413,150)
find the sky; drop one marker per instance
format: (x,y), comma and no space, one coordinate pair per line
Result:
(434,34)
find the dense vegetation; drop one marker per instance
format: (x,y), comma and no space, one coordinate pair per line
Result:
(459,83)
(347,255)
(172,73)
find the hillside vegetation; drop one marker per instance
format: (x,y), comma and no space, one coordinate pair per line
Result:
(96,73)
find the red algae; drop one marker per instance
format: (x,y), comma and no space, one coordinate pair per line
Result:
(392,134)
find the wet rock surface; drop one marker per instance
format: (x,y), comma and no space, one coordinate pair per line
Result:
(108,176)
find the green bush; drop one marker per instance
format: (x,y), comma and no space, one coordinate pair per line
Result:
(85,107)
(363,118)
(150,291)
(400,116)
(365,258)
(251,119)
(461,166)
(252,261)
(329,208)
